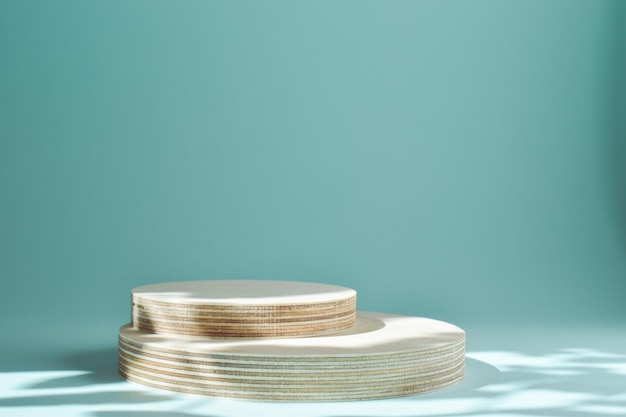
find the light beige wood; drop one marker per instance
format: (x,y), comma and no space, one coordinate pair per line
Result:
(382,356)
(242,292)
(243,308)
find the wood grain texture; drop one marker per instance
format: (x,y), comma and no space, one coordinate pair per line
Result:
(382,356)
(243,308)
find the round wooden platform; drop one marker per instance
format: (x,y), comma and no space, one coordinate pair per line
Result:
(382,356)
(242,308)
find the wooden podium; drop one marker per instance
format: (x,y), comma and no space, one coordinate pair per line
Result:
(282,341)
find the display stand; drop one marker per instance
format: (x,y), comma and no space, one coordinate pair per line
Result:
(338,355)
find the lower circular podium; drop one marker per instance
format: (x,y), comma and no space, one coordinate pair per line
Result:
(382,356)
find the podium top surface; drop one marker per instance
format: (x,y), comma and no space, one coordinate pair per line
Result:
(242,292)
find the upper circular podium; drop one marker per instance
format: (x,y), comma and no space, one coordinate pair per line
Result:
(243,308)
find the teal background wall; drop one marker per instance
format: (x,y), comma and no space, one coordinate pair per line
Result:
(463,160)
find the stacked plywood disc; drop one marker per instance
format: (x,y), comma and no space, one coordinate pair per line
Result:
(373,356)
(243,308)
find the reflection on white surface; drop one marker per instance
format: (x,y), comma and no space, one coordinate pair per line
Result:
(564,382)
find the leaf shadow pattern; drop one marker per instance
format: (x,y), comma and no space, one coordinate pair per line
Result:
(562,383)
